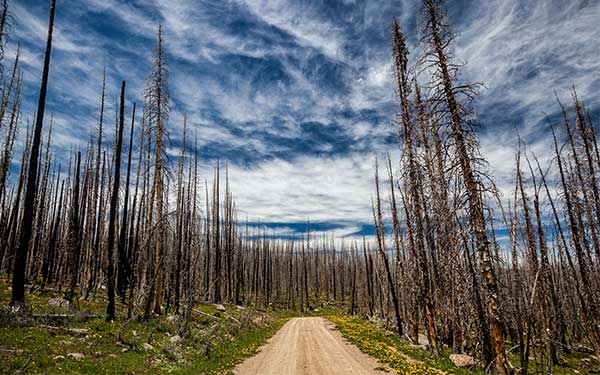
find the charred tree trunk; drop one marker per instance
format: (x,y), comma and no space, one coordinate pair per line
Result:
(476,214)
(382,251)
(112,215)
(74,233)
(124,273)
(18,281)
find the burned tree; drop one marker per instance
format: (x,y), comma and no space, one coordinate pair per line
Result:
(156,114)
(112,218)
(26,227)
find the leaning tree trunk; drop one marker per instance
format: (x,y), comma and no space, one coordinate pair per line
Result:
(18,281)
(400,55)
(476,213)
(382,251)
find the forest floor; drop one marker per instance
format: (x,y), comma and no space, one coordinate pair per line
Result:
(55,340)
(405,358)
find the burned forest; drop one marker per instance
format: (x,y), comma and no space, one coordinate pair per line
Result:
(127,232)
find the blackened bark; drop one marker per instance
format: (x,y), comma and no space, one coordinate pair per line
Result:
(112,216)
(18,281)
(124,273)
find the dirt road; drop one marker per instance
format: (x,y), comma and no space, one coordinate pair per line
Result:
(308,346)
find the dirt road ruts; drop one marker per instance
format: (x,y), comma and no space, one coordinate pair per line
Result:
(309,346)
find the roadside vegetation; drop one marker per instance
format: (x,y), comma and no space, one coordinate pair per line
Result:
(372,337)
(375,342)
(509,277)
(58,340)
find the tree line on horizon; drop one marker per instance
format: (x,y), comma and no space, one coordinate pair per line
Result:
(121,221)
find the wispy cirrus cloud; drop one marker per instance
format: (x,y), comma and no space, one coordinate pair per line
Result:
(296,96)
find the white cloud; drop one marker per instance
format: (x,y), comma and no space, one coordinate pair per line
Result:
(504,42)
(302,21)
(323,190)
(524,50)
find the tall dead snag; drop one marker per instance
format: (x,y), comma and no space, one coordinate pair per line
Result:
(437,40)
(207,242)
(554,318)
(18,281)
(229,234)
(12,232)
(34,258)
(156,114)
(353,280)
(74,234)
(306,246)
(558,311)
(369,279)
(124,272)
(112,216)
(48,266)
(532,260)
(216,222)
(578,241)
(13,92)
(134,248)
(380,229)
(590,181)
(400,62)
(96,210)
(181,206)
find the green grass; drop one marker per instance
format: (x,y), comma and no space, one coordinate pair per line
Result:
(118,347)
(38,348)
(573,363)
(393,350)
(377,342)
(216,343)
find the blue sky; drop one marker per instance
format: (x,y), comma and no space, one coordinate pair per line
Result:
(296,96)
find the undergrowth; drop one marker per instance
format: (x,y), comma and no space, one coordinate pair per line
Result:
(392,350)
(87,344)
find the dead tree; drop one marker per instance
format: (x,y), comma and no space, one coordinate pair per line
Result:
(587,305)
(156,113)
(112,218)
(437,39)
(124,272)
(382,251)
(400,62)
(74,233)
(26,227)
(96,211)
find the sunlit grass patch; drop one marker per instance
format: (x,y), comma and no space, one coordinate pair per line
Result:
(216,342)
(391,350)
